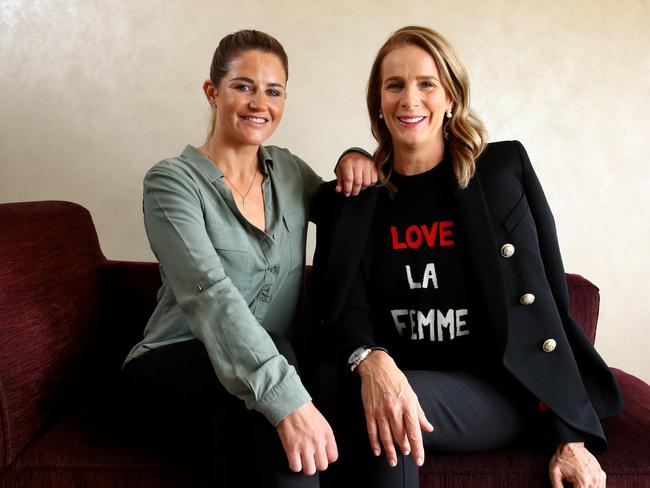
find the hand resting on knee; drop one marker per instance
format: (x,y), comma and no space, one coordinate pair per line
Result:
(307,439)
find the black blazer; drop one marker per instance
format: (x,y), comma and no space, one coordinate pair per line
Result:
(504,203)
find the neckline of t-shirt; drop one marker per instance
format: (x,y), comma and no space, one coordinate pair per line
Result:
(435,173)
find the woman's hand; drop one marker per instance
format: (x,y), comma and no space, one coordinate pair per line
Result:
(574,463)
(354,172)
(308,440)
(393,413)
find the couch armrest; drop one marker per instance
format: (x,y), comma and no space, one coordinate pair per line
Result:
(48,310)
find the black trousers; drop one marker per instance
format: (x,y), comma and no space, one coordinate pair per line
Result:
(176,399)
(470,413)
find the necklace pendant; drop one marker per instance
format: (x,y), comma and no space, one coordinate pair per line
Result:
(242,195)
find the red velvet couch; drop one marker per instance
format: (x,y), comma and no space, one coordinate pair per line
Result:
(67,318)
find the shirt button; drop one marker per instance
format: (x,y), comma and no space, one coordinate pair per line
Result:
(199,288)
(272,236)
(549,345)
(527,299)
(507,250)
(275,269)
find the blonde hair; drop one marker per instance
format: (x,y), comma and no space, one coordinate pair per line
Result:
(465,133)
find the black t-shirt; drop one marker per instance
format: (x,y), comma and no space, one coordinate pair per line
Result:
(425,305)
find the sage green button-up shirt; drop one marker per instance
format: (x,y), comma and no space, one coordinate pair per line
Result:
(224,281)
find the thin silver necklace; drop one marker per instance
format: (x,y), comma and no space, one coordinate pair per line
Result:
(242,195)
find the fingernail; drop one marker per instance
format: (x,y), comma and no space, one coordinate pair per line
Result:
(393,462)
(407,452)
(419,461)
(376,452)
(347,194)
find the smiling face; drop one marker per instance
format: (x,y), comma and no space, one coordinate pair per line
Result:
(413,101)
(249,99)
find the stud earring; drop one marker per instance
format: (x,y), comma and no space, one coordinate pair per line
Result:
(381,116)
(449,113)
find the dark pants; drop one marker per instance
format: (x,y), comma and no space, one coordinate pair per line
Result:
(470,413)
(176,399)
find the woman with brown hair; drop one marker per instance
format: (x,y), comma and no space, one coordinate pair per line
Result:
(449,307)
(227,221)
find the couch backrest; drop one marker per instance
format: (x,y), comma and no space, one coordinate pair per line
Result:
(49,268)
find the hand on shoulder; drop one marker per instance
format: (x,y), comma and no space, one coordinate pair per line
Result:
(355,172)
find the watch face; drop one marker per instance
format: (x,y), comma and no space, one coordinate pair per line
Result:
(356,354)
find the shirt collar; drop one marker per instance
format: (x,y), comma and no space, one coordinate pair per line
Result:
(212,171)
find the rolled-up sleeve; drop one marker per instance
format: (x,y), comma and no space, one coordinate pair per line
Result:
(242,353)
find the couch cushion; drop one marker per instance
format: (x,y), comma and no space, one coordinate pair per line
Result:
(90,449)
(48,300)
(87,450)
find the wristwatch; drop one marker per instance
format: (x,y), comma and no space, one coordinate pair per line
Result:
(359,354)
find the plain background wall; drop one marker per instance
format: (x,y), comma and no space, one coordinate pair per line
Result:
(93,92)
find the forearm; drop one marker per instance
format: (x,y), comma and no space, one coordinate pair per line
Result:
(243,355)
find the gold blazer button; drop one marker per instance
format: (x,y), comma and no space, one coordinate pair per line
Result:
(549,345)
(507,250)
(527,299)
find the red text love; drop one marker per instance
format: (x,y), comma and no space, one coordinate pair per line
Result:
(436,234)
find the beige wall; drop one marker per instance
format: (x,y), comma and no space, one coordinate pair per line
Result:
(94,92)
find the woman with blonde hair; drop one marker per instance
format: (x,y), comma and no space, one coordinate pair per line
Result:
(447,313)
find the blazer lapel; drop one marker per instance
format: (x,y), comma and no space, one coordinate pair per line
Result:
(484,254)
